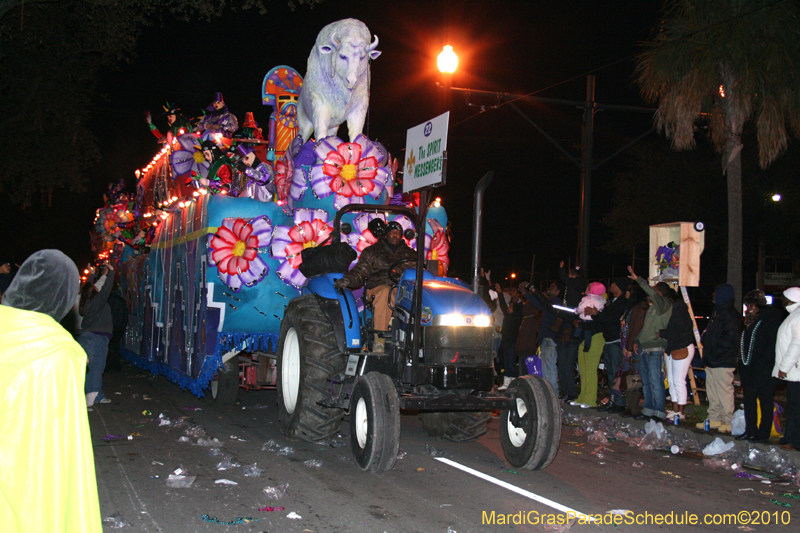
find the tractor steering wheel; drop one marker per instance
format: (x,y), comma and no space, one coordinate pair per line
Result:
(395,272)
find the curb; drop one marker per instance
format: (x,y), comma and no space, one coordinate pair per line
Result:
(703,437)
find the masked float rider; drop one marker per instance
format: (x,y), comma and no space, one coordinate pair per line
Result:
(379,267)
(177,123)
(218,119)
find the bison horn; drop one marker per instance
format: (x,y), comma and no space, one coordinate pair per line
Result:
(374,44)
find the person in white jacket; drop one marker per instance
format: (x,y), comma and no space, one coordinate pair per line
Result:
(787,367)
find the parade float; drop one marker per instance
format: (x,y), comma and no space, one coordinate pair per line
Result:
(209,246)
(231,256)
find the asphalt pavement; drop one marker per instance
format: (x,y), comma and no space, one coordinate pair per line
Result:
(152,428)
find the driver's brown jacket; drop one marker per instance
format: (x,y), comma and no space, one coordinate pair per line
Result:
(373,265)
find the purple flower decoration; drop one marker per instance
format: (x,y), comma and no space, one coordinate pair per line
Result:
(351,171)
(189,159)
(234,251)
(310,229)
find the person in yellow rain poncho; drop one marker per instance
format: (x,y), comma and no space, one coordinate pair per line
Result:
(47,476)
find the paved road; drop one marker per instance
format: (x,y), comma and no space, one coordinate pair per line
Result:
(421,494)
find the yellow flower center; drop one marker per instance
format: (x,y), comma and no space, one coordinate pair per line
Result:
(198,157)
(239,248)
(309,244)
(348,172)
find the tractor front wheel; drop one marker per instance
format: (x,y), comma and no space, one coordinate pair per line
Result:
(375,422)
(530,432)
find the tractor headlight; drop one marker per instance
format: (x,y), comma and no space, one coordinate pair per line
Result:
(483,321)
(451,320)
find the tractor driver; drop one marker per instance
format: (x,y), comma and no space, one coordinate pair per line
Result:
(378,268)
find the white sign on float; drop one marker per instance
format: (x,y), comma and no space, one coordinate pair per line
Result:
(425,149)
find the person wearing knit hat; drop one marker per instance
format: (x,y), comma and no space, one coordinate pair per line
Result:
(609,321)
(591,349)
(757,359)
(720,352)
(787,367)
(622,284)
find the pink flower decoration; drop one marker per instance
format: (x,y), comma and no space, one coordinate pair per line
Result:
(436,245)
(351,171)
(290,183)
(234,250)
(311,229)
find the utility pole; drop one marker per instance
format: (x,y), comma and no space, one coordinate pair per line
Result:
(585,164)
(586,173)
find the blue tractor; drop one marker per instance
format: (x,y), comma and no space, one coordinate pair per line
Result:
(438,361)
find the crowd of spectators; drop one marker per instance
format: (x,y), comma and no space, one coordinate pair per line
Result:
(644,333)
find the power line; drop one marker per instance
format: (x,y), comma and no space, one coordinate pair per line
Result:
(626,58)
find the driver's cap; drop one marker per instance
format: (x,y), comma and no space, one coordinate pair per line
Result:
(394,225)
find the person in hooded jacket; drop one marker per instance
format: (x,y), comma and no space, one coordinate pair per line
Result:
(787,367)
(47,482)
(649,348)
(720,353)
(757,359)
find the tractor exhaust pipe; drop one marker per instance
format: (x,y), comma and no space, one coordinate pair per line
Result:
(477,226)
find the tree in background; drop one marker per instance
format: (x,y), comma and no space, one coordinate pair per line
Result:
(51,52)
(725,63)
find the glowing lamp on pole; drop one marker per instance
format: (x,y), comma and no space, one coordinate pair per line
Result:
(447,63)
(447,60)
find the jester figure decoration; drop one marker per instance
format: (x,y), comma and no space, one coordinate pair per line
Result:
(281,89)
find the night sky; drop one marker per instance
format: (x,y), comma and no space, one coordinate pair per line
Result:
(546,47)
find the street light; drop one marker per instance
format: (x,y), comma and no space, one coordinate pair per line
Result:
(776,197)
(447,60)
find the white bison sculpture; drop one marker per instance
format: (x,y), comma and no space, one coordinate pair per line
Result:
(336,84)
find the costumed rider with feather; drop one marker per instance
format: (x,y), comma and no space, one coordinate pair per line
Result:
(379,267)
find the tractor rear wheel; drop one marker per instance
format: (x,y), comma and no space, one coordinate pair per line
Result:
(307,358)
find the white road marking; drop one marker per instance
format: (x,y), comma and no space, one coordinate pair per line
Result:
(521,492)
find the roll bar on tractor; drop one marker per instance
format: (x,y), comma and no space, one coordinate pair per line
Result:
(420,220)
